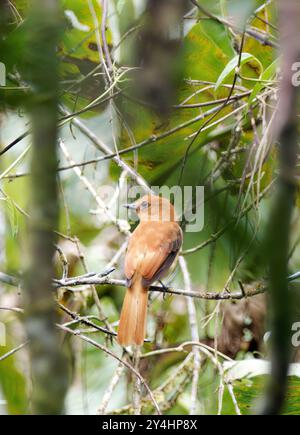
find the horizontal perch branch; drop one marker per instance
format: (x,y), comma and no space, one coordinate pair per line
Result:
(104,279)
(224,295)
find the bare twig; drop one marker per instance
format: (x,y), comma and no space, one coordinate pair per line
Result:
(13,309)
(106,150)
(13,351)
(194,335)
(219,233)
(85,321)
(92,190)
(258,289)
(64,261)
(112,354)
(250,291)
(8,279)
(262,38)
(214,115)
(108,393)
(136,394)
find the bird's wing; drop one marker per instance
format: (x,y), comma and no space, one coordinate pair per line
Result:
(152,249)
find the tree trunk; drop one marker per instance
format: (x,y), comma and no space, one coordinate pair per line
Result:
(48,365)
(281,298)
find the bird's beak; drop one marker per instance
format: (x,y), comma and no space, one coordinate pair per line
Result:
(130,206)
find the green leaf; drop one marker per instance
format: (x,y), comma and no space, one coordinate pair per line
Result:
(79,38)
(207,48)
(249,378)
(206,51)
(79,53)
(12,216)
(230,68)
(267,75)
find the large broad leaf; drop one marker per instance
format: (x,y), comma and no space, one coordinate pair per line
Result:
(80,53)
(264,52)
(249,378)
(80,41)
(206,51)
(78,49)
(230,69)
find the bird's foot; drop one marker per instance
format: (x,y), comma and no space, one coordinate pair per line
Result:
(165,288)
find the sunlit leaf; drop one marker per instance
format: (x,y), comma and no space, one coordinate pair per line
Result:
(231,67)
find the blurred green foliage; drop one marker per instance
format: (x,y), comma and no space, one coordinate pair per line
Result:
(227,157)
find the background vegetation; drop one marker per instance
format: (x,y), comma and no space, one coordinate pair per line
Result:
(153,93)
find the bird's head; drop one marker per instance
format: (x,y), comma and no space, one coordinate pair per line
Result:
(153,208)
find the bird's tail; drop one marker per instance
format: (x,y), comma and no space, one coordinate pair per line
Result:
(132,325)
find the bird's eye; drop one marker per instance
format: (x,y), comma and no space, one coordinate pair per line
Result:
(144,204)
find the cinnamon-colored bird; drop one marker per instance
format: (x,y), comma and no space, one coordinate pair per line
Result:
(152,248)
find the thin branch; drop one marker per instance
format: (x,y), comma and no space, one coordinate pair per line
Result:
(194,335)
(13,351)
(13,309)
(219,233)
(94,279)
(97,301)
(168,392)
(120,225)
(85,321)
(120,360)
(136,393)
(87,281)
(262,38)
(108,393)
(213,116)
(106,150)
(10,280)
(260,288)
(182,348)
